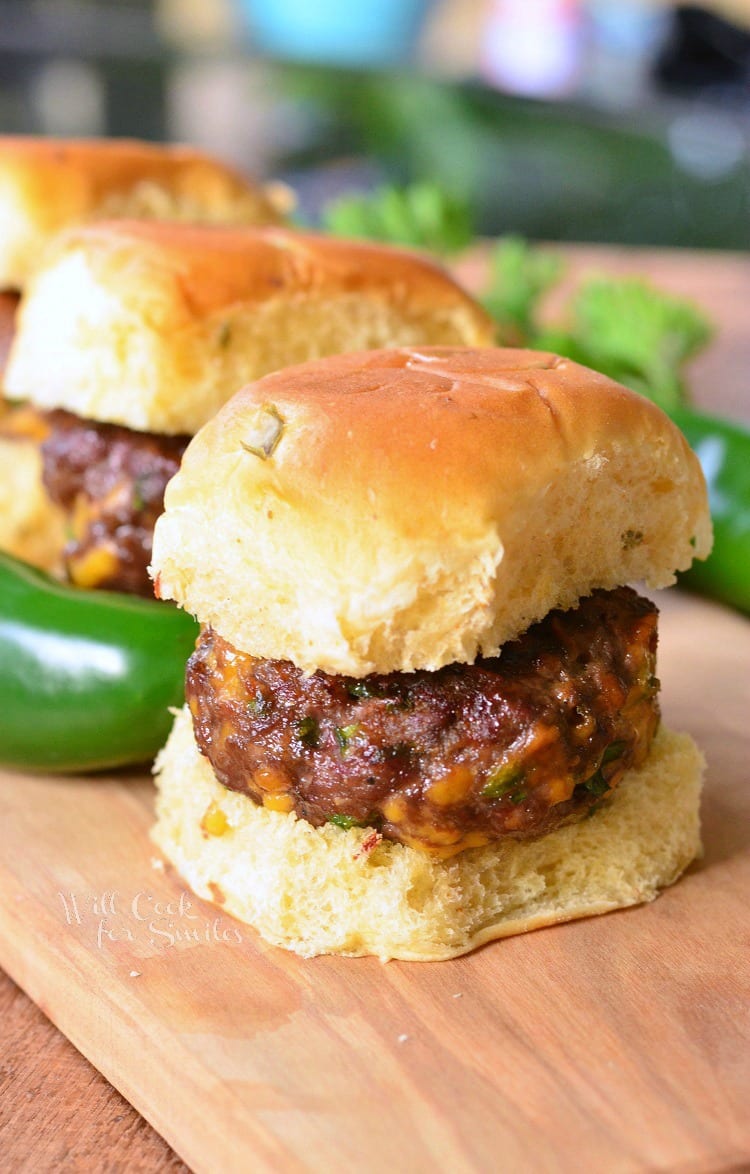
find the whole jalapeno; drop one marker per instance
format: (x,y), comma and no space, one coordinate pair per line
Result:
(723,449)
(86,677)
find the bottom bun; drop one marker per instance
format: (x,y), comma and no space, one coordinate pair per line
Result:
(31,526)
(328,891)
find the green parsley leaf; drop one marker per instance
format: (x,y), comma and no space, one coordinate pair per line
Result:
(519,276)
(638,335)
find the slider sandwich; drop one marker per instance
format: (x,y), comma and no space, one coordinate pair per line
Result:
(47,185)
(132,335)
(423,711)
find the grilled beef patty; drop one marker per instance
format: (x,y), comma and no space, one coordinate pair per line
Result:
(111,480)
(447,760)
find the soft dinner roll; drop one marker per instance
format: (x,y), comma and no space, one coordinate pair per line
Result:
(319,890)
(404,509)
(49,184)
(155,326)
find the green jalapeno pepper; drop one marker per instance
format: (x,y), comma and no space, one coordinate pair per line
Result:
(723,448)
(86,677)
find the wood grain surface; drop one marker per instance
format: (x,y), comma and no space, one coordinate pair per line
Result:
(616,1044)
(56,1111)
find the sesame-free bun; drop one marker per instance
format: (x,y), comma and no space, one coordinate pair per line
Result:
(50,184)
(406,509)
(328,891)
(155,326)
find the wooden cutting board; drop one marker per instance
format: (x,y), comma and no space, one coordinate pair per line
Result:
(618,1043)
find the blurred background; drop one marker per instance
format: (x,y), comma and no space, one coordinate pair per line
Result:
(599,120)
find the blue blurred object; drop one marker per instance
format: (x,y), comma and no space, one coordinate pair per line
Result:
(341,32)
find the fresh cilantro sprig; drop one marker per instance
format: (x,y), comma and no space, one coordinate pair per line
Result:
(635,333)
(519,277)
(625,328)
(420,215)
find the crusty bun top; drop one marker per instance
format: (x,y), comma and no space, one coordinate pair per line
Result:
(49,184)
(405,509)
(155,326)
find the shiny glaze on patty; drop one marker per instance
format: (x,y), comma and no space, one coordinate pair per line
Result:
(510,746)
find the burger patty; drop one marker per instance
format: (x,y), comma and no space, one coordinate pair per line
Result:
(111,481)
(509,746)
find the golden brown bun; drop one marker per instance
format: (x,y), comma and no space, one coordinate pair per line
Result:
(422,507)
(319,890)
(50,184)
(155,326)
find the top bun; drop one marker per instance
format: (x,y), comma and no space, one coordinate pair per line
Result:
(49,184)
(405,509)
(155,326)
